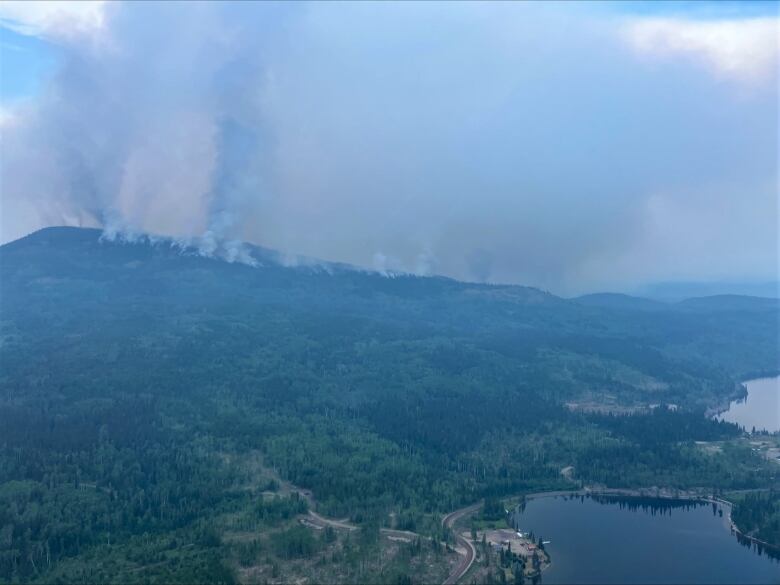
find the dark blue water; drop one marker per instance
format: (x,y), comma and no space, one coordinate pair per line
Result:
(632,540)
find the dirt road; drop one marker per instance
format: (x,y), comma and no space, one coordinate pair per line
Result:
(465,548)
(469,551)
(319,521)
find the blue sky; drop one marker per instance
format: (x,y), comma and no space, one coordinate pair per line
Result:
(25,61)
(697,8)
(570,146)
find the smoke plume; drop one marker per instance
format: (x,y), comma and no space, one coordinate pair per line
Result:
(523,143)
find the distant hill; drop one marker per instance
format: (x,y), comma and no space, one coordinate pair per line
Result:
(621,301)
(730,303)
(714,303)
(678,291)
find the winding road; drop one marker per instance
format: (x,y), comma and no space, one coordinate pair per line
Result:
(469,552)
(465,547)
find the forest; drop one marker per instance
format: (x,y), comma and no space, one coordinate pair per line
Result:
(161,411)
(758,515)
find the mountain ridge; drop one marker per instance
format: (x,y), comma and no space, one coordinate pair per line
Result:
(70,235)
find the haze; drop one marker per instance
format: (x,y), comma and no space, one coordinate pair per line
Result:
(570,147)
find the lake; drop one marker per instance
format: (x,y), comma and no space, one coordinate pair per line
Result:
(761,407)
(641,540)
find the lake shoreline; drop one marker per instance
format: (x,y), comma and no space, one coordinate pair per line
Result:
(740,393)
(661,494)
(583,526)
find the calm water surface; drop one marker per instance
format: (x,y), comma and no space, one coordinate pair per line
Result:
(641,540)
(761,407)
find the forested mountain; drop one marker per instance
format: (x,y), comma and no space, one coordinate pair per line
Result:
(143,386)
(68,281)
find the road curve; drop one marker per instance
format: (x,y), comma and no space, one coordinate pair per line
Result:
(467,551)
(470,552)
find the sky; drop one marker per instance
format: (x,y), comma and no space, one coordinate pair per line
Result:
(574,147)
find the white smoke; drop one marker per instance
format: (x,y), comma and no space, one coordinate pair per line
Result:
(207,245)
(145,134)
(471,140)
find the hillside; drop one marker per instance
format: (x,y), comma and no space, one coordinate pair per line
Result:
(176,385)
(621,301)
(67,280)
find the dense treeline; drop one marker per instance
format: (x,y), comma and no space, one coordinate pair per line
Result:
(758,515)
(667,425)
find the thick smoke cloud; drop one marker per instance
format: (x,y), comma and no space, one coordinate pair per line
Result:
(507,142)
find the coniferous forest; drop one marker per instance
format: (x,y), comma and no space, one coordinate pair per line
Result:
(166,417)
